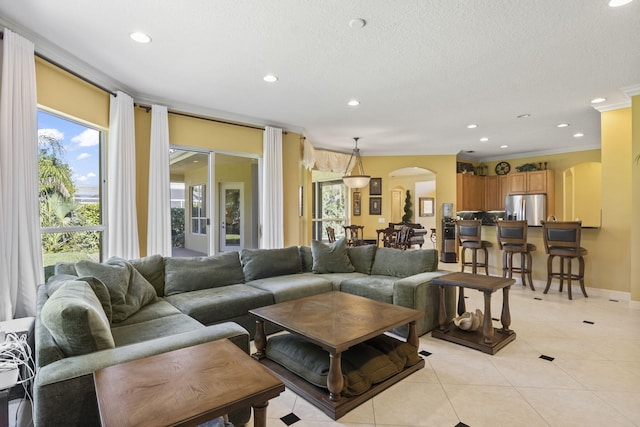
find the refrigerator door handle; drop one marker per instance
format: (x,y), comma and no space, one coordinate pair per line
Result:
(524,208)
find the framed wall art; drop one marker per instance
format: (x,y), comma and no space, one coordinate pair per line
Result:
(375,187)
(425,205)
(375,205)
(356,203)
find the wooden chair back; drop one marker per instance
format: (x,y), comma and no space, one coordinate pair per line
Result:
(469,232)
(388,236)
(511,233)
(403,238)
(561,234)
(354,234)
(331,234)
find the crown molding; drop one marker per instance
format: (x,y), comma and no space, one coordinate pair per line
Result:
(632,90)
(610,107)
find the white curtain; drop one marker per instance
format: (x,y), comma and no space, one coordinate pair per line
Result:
(121,176)
(326,161)
(159,221)
(21,266)
(272,202)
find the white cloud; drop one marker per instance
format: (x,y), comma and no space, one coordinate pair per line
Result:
(50,134)
(91,175)
(88,138)
(83,156)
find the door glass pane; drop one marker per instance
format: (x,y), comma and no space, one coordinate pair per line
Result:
(232,217)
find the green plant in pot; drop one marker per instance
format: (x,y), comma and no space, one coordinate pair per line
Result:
(408,212)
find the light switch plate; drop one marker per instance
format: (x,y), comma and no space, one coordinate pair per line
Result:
(382,220)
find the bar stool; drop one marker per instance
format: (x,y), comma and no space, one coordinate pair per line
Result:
(562,239)
(470,237)
(512,239)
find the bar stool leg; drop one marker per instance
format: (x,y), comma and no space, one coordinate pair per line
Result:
(569,277)
(523,269)
(474,261)
(462,258)
(529,268)
(562,275)
(581,272)
(486,261)
(549,270)
(504,263)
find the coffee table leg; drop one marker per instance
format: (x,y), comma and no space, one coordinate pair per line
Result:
(506,313)
(260,414)
(335,382)
(487,327)
(412,337)
(260,340)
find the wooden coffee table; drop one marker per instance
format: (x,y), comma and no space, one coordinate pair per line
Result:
(490,339)
(334,321)
(185,387)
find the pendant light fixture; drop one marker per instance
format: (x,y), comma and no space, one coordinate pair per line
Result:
(359,179)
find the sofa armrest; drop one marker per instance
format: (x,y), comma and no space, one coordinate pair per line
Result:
(420,293)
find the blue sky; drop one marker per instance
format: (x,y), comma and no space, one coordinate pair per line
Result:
(81,144)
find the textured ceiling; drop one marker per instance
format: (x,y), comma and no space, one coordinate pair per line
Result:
(423,70)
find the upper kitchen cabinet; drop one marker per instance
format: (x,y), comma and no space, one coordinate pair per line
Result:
(534,182)
(495,190)
(470,192)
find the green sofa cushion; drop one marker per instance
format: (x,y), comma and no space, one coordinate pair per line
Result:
(261,263)
(331,258)
(128,289)
(399,263)
(99,288)
(191,274)
(362,257)
(379,288)
(65,268)
(363,365)
(152,269)
(293,286)
(75,318)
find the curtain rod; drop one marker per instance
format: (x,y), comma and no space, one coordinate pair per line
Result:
(86,80)
(63,68)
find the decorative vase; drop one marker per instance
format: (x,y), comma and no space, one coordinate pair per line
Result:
(469,321)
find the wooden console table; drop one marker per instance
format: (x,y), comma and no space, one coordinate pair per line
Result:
(490,340)
(185,387)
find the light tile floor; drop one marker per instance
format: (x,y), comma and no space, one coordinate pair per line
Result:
(593,379)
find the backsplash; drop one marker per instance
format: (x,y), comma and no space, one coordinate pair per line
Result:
(487,217)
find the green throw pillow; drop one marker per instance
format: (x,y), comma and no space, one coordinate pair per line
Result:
(75,318)
(128,289)
(261,263)
(100,289)
(331,258)
(362,257)
(152,268)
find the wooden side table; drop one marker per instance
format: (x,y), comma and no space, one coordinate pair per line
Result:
(185,387)
(490,340)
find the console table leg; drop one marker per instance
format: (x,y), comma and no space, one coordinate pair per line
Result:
(260,414)
(506,313)
(487,327)
(260,340)
(461,304)
(335,382)
(442,311)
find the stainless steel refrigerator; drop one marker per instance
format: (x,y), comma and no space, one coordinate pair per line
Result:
(531,207)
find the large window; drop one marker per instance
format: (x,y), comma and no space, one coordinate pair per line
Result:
(70,165)
(198,210)
(329,208)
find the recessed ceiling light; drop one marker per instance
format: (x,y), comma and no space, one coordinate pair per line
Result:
(563,125)
(353,103)
(598,100)
(523,116)
(484,139)
(140,37)
(472,126)
(504,146)
(357,23)
(578,135)
(270,78)
(616,3)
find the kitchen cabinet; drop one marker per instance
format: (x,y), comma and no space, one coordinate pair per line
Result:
(470,192)
(534,182)
(496,188)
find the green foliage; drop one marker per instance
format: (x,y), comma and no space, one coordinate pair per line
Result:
(53,172)
(177,227)
(408,212)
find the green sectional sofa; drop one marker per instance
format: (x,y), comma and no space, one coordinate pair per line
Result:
(93,315)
